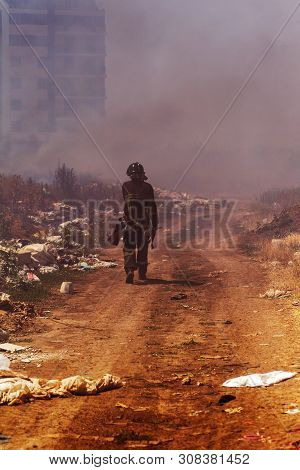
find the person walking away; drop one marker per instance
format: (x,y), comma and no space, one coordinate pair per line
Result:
(141,219)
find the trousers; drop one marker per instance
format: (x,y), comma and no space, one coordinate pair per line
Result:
(136,246)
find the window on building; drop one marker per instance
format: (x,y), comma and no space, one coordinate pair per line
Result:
(16,105)
(43,105)
(16,126)
(68,63)
(28,18)
(43,62)
(18,40)
(16,83)
(15,61)
(43,83)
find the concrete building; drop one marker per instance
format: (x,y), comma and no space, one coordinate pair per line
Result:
(69,38)
(4,70)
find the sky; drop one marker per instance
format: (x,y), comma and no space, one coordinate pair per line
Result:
(173,68)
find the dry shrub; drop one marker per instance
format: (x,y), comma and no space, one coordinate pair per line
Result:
(292,241)
(282,250)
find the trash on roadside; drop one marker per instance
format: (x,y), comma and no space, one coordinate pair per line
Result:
(179,296)
(9,347)
(4,362)
(259,380)
(121,405)
(4,335)
(293,409)
(232,411)
(4,297)
(32,277)
(67,288)
(276,294)
(226,399)
(186,380)
(4,439)
(16,388)
(48,269)
(107,264)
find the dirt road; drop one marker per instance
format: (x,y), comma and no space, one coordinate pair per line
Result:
(222,330)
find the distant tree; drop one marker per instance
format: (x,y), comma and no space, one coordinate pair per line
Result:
(65,181)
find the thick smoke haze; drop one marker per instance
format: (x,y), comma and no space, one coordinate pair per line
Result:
(172,69)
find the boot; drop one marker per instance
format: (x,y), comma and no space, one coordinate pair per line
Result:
(142,276)
(130,277)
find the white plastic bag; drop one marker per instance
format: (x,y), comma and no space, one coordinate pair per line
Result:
(259,380)
(4,362)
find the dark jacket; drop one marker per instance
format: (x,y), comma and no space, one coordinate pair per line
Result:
(140,205)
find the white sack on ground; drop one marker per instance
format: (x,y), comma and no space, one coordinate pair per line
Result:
(16,388)
(259,380)
(4,362)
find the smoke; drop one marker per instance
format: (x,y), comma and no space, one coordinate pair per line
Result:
(172,69)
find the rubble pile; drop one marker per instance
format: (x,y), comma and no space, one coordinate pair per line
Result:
(57,245)
(14,315)
(179,200)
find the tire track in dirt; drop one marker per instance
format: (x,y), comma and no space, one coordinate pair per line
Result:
(220,331)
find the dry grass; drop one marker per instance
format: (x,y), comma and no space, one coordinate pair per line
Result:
(287,272)
(282,250)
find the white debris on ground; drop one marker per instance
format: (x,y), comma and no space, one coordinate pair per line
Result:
(9,347)
(276,294)
(58,245)
(16,388)
(259,380)
(4,362)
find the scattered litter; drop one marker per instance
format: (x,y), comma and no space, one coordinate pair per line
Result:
(232,411)
(33,277)
(4,362)
(140,409)
(276,294)
(16,389)
(4,439)
(275,264)
(259,380)
(226,399)
(186,380)
(216,273)
(48,269)
(67,288)
(4,297)
(121,405)
(179,296)
(293,409)
(9,347)
(107,264)
(196,413)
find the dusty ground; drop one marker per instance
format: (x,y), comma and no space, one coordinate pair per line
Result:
(222,330)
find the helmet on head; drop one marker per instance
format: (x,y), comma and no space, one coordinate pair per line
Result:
(136,171)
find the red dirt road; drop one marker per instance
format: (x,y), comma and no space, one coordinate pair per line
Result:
(222,330)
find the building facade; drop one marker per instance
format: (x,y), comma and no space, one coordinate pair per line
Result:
(4,70)
(56,65)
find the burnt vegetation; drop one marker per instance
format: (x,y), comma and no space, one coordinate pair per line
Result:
(21,198)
